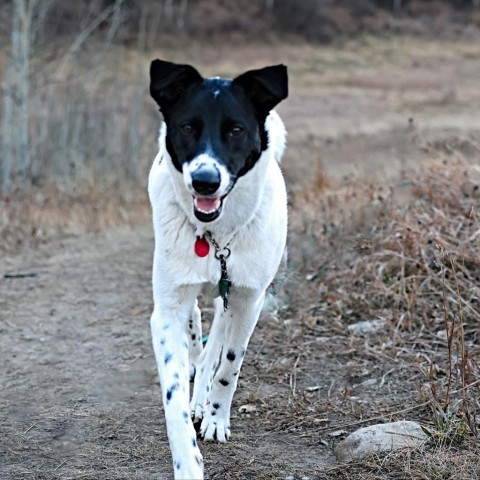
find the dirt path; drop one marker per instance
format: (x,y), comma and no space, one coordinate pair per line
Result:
(79,392)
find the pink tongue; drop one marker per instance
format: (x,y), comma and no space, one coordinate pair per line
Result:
(207,204)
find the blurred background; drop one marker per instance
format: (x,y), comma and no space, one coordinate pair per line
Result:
(78,129)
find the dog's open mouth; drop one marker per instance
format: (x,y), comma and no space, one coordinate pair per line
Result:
(207,209)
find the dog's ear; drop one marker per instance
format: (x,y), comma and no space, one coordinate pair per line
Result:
(265,87)
(169,81)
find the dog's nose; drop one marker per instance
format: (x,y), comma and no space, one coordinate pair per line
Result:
(206,180)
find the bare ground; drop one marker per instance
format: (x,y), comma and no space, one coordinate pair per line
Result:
(79,395)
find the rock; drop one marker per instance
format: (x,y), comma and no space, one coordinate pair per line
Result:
(383,437)
(248,408)
(367,326)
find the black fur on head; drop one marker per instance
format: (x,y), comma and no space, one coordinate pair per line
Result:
(217,119)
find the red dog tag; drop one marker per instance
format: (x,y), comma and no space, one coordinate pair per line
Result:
(202,247)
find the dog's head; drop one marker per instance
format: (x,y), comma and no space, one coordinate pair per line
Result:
(215,127)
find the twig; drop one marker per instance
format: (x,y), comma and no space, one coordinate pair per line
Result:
(449,330)
(61,465)
(293,376)
(451,290)
(29,428)
(19,275)
(398,412)
(377,417)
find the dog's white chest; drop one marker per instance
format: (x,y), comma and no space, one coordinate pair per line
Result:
(254,227)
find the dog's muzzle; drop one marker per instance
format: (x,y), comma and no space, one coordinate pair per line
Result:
(206,181)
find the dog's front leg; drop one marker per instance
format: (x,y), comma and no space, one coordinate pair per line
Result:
(169,325)
(207,365)
(195,340)
(240,319)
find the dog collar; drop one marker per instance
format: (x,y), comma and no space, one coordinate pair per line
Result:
(202,248)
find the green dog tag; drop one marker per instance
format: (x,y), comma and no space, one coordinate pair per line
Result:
(224,290)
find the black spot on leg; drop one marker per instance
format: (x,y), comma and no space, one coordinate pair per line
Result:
(194,336)
(185,344)
(178,465)
(194,442)
(166,326)
(185,416)
(208,388)
(236,373)
(167,358)
(216,405)
(170,391)
(162,341)
(231,355)
(214,412)
(224,382)
(176,376)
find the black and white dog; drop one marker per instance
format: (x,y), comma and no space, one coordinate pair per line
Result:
(220,219)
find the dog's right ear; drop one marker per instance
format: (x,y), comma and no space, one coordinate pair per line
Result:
(169,81)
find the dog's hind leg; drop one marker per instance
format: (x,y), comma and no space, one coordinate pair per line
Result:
(170,342)
(239,321)
(195,338)
(207,364)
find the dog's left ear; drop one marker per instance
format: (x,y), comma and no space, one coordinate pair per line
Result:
(265,87)
(169,81)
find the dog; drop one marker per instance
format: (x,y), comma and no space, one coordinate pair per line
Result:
(219,209)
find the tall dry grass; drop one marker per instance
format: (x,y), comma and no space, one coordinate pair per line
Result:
(92,130)
(408,257)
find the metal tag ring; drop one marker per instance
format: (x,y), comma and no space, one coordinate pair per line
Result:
(219,255)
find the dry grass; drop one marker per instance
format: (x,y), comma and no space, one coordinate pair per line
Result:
(34,218)
(424,463)
(407,256)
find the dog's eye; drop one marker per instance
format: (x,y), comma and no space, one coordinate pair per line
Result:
(187,129)
(236,131)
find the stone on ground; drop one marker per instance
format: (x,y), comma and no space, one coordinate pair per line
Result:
(383,437)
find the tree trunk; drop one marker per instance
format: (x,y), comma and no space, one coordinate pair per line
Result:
(9,109)
(24,10)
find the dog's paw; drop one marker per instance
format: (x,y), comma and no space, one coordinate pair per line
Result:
(196,413)
(215,428)
(187,459)
(199,403)
(191,469)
